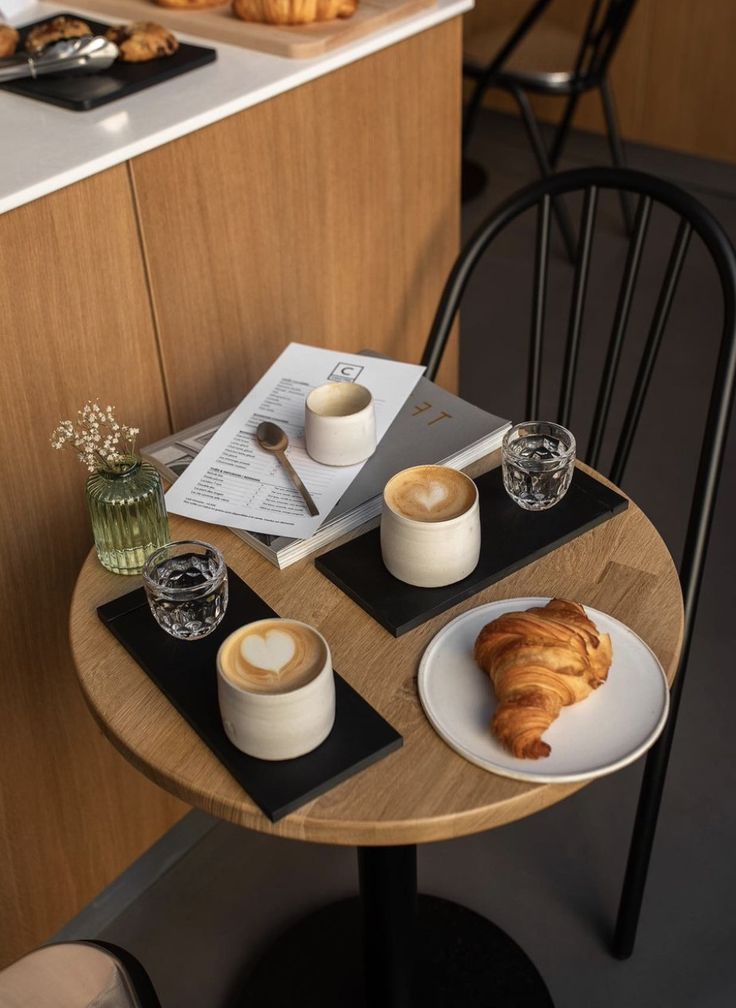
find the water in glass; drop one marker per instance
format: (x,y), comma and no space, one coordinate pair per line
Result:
(188,593)
(537,470)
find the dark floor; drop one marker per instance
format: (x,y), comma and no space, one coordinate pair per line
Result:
(552,881)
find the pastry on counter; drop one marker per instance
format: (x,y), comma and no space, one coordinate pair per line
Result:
(58,28)
(190,4)
(8,40)
(293,12)
(539,661)
(141,41)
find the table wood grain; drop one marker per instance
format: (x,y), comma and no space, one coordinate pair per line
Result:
(423,792)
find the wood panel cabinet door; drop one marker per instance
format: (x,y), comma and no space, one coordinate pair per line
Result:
(328,215)
(76,324)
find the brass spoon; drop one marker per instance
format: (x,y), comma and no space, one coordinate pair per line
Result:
(272,438)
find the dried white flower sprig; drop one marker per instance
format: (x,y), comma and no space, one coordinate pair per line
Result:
(100,441)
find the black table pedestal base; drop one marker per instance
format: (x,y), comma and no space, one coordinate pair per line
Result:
(461,960)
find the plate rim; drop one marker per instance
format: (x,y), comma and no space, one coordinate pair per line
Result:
(531,777)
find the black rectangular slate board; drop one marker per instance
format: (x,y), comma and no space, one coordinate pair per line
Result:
(122,79)
(185,672)
(510,539)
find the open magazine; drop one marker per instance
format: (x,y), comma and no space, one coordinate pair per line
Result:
(433,427)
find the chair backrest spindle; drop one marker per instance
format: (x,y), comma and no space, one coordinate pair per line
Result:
(577,305)
(539,300)
(651,349)
(618,332)
(604,38)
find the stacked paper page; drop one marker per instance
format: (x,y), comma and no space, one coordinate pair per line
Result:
(233,482)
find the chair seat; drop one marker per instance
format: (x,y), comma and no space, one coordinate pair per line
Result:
(69,975)
(544,59)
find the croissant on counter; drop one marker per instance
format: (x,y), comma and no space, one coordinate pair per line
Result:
(540,660)
(293,12)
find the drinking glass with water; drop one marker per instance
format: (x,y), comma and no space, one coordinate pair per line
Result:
(538,463)
(186,586)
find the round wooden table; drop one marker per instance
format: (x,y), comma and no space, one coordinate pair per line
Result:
(423,791)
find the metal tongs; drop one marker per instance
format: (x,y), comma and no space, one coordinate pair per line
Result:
(89,54)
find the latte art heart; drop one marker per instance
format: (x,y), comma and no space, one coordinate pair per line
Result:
(430,493)
(272,656)
(430,496)
(271,652)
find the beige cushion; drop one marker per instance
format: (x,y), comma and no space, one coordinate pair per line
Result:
(66,976)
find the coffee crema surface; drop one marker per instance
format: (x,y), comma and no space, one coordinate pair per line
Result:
(274,656)
(430,494)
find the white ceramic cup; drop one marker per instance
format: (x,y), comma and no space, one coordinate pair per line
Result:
(430,553)
(277,725)
(340,424)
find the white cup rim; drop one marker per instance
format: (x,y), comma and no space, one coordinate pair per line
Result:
(263,697)
(337,418)
(443,522)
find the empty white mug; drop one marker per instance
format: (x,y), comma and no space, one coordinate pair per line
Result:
(340,424)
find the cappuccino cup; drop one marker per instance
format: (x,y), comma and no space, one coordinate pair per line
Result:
(276,688)
(340,424)
(430,526)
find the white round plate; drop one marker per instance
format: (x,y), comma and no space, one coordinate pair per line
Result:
(608,730)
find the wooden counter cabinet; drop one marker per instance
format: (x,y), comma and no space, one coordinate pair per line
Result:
(166,286)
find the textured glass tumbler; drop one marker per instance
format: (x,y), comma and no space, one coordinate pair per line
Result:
(187,590)
(128,515)
(538,463)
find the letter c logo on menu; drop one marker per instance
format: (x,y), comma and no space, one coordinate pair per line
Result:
(345,372)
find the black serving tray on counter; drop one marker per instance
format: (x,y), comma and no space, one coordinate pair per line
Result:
(122,79)
(185,672)
(510,538)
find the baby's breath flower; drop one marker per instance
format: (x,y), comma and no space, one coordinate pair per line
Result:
(100,441)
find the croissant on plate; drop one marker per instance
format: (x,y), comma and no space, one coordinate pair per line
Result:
(539,661)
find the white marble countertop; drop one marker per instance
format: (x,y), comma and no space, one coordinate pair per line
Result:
(45,148)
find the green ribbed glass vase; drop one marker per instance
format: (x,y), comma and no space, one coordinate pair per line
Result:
(128,515)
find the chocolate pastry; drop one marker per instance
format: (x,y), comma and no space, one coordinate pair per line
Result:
(8,40)
(142,41)
(54,31)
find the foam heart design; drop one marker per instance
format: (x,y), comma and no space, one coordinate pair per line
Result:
(429,497)
(271,652)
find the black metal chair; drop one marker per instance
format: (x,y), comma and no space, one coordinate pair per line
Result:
(589,58)
(76,975)
(693,219)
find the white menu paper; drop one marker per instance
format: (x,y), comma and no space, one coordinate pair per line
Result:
(233,482)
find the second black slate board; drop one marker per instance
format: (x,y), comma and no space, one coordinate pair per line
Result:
(510,539)
(80,94)
(185,672)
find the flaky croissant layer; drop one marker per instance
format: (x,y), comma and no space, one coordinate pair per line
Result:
(540,660)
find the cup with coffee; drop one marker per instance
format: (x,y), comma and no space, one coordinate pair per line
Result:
(276,688)
(340,424)
(430,526)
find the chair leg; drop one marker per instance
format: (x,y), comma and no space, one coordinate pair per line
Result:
(617,150)
(535,138)
(470,115)
(474,175)
(562,130)
(645,825)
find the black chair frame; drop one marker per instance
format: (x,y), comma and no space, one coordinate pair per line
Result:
(600,39)
(693,218)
